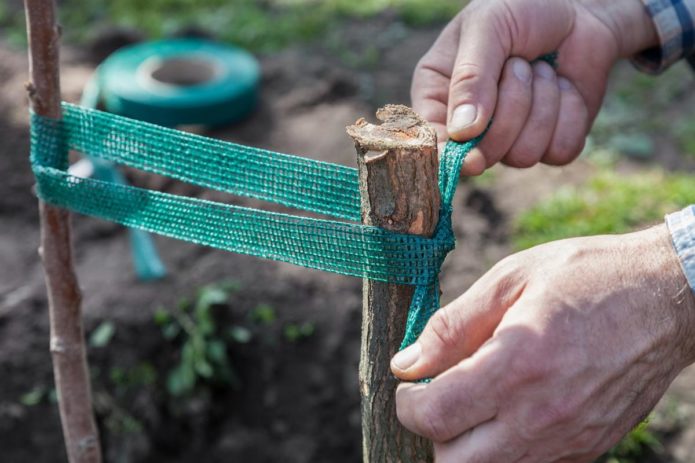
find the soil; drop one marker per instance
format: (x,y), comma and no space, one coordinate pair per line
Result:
(297,400)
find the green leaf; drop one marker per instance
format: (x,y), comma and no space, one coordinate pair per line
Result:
(203,368)
(295,332)
(217,352)
(33,397)
(204,322)
(181,380)
(161,316)
(263,314)
(240,334)
(212,295)
(102,335)
(170,331)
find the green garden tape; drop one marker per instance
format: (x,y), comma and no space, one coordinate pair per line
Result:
(171,82)
(179,82)
(314,186)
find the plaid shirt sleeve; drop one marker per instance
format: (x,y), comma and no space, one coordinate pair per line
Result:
(675,25)
(682,227)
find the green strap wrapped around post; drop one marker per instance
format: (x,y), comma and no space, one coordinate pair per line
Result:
(320,187)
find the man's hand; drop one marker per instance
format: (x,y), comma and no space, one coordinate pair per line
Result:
(479,66)
(554,354)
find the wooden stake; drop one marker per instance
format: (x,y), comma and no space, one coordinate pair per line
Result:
(64,297)
(398,173)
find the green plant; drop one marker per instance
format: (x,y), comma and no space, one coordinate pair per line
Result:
(607,203)
(125,379)
(634,446)
(34,397)
(263,314)
(203,354)
(102,334)
(262,26)
(295,332)
(625,124)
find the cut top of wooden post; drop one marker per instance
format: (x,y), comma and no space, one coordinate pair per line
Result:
(398,167)
(401,128)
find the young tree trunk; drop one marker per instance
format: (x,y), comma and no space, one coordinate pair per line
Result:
(64,298)
(398,174)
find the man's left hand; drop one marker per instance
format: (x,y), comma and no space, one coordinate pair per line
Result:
(554,354)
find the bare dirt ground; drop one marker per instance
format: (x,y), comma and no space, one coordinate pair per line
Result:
(297,401)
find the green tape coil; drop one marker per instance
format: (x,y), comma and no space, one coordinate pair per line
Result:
(180,82)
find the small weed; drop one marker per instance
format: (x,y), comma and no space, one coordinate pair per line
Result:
(263,314)
(34,397)
(296,332)
(608,203)
(143,374)
(102,334)
(203,355)
(634,446)
(239,334)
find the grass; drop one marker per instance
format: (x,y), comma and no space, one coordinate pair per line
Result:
(261,26)
(607,203)
(638,443)
(684,132)
(640,106)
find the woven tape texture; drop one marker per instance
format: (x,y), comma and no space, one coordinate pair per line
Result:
(328,189)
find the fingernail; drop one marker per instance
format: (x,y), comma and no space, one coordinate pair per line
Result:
(564,84)
(407,357)
(462,117)
(544,70)
(522,70)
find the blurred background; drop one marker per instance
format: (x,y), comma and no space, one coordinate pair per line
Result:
(279,345)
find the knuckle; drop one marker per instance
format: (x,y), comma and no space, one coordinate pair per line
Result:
(464,74)
(431,421)
(442,328)
(523,157)
(563,152)
(550,417)
(527,368)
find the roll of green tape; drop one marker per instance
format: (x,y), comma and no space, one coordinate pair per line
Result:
(181,81)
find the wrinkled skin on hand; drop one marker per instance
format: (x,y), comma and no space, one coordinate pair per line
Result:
(554,354)
(479,66)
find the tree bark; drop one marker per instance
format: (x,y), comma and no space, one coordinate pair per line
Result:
(64,298)
(398,174)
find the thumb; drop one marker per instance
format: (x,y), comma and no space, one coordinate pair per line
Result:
(482,51)
(457,330)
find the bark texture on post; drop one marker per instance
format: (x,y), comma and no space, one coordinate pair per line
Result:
(398,172)
(64,297)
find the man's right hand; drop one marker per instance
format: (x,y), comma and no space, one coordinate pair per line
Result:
(479,67)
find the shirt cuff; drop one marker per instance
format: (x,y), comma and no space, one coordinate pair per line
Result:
(675,25)
(681,224)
